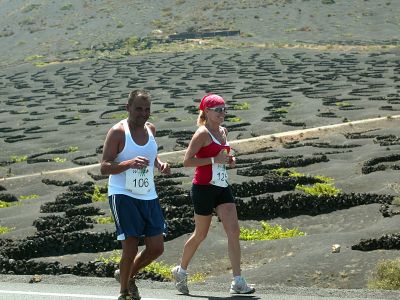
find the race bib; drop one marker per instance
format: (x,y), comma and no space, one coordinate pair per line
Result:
(219,175)
(139,181)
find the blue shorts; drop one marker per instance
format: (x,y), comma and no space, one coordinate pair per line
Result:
(137,218)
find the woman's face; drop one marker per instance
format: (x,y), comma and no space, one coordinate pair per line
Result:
(216,113)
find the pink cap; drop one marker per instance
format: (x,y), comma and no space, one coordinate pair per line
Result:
(211,100)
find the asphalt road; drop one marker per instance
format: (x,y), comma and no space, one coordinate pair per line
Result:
(43,291)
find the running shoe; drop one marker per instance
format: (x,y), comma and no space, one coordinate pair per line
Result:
(133,289)
(180,280)
(124,296)
(241,287)
(116,275)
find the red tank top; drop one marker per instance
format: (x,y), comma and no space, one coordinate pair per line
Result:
(203,174)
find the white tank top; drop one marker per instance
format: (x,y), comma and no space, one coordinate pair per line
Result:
(116,182)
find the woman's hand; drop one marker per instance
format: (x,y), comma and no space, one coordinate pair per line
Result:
(164,168)
(222,157)
(232,161)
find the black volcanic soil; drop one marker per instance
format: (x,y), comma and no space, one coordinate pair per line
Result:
(56,117)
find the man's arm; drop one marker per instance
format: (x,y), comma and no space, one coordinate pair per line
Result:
(111,148)
(163,167)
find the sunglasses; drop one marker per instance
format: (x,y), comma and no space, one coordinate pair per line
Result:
(218,109)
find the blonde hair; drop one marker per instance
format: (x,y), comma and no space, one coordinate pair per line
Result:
(201,119)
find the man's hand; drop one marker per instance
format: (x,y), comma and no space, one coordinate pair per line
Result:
(139,162)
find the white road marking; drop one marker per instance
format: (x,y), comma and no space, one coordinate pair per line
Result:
(260,139)
(67,295)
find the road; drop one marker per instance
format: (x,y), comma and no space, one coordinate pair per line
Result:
(44,291)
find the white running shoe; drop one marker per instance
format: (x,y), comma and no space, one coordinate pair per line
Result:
(116,275)
(241,287)
(180,280)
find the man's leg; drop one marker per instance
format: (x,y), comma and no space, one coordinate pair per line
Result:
(154,247)
(129,251)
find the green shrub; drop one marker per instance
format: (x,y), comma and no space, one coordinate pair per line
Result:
(28,197)
(386,275)
(234,119)
(72,149)
(396,201)
(59,159)
(114,257)
(33,57)
(319,189)
(97,196)
(68,6)
(291,172)
(18,159)
(29,7)
(268,232)
(119,116)
(156,267)
(4,204)
(242,106)
(5,229)
(104,220)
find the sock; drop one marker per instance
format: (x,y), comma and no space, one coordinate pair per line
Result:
(237,278)
(182,270)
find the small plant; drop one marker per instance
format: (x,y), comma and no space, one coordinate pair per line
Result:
(97,196)
(234,119)
(197,277)
(242,106)
(386,275)
(319,189)
(280,111)
(27,21)
(72,149)
(268,232)
(114,257)
(18,159)
(28,197)
(396,201)
(156,267)
(291,172)
(324,178)
(159,268)
(68,6)
(343,104)
(29,7)
(4,229)
(59,159)
(4,204)
(104,220)
(119,116)
(33,57)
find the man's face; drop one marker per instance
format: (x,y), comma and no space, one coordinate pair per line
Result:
(139,111)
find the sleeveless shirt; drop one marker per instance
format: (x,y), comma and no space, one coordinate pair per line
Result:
(116,182)
(203,174)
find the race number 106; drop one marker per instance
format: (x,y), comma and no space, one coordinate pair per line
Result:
(141,182)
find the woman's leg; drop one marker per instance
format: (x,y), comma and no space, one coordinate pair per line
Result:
(228,215)
(202,224)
